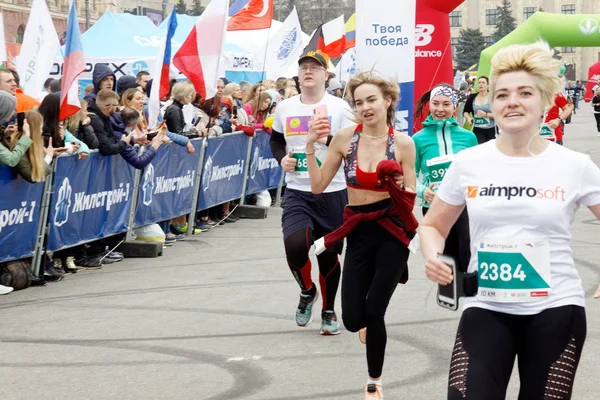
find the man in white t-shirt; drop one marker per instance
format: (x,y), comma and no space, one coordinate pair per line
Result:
(306,215)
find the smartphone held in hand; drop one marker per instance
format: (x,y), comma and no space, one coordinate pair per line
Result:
(320,111)
(447,296)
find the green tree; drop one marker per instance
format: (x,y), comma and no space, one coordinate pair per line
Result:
(197,8)
(181,7)
(468,50)
(505,22)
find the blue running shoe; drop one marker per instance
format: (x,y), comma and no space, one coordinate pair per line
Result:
(329,323)
(304,310)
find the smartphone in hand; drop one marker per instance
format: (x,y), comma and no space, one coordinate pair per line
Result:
(320,111)
(447,295)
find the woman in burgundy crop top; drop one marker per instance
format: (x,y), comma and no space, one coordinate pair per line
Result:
(378,227)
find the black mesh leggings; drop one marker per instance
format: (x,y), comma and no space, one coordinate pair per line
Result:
(547,345)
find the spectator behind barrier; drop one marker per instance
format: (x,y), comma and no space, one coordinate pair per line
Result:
(34,166)
(290,92)
(87,90)
(234,91)
(182,93)
(103,78)
(24,102)
(100,112)
(246,88)
(53,128)
(259,109)
(79,124)
(280,83)
(8,128)
(126,82)
(142,79)
(256,89)
(47,86)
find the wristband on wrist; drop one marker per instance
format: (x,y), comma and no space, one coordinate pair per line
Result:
(309,153)
(329,139)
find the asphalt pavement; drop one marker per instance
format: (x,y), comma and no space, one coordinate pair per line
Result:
(213,318)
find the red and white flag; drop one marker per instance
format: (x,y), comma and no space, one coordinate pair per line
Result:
(330,38)
(198,57)
(257,14)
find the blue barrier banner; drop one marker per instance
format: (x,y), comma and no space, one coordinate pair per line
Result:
(223,170)
(167,187)
(19,214)
(91,199)
(265,171)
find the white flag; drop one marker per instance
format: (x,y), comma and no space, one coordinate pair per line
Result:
(284,48)
(347,66)
(39,49)
(2,40)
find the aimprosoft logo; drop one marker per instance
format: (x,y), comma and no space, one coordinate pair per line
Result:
(588,26)
(509,192)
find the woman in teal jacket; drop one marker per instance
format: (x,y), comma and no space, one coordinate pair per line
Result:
(436,146)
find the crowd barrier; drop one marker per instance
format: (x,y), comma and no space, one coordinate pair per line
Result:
(85,200)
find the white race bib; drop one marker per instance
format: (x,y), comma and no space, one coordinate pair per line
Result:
(513,270)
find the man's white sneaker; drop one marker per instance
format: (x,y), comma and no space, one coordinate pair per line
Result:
(5,289)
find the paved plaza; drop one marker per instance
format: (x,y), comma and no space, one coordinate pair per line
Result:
(213,319)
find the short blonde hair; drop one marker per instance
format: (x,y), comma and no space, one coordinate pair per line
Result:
(389,89)
(535,59)
(181,90)
(230,88)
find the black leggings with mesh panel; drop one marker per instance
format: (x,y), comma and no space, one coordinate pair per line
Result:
(547,346)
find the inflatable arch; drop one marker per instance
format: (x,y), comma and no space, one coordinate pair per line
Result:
(433,47)
(559,30)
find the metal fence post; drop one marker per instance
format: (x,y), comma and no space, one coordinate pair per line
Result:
(43,223)
(197,188)
(246,171)
(137,178)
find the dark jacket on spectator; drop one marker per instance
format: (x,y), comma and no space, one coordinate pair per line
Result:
(86,134)
(118,125)
(109,145)
(174,117)
(101,71)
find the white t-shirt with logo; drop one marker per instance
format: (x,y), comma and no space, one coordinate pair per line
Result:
(291,119)
(525,197)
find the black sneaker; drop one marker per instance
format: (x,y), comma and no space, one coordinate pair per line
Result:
(89,263)
(176,231)
(53,275)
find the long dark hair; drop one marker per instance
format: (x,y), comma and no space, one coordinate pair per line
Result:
(425,99)
(50,109)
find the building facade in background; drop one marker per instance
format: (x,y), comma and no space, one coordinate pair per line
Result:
(481,14)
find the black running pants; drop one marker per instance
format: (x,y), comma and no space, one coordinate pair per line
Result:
(547,346)
(374,262)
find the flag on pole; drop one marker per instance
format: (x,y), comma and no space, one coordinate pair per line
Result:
(39,49)
(257,14)
(284,48)
(330,38)
(199,55)
(237,6)
(2,40)
(160,78)
(73,66)
(350,28)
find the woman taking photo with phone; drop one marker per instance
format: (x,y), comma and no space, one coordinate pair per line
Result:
(378,221)
(530,303)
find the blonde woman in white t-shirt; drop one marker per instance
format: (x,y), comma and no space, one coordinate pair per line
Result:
(530,302)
